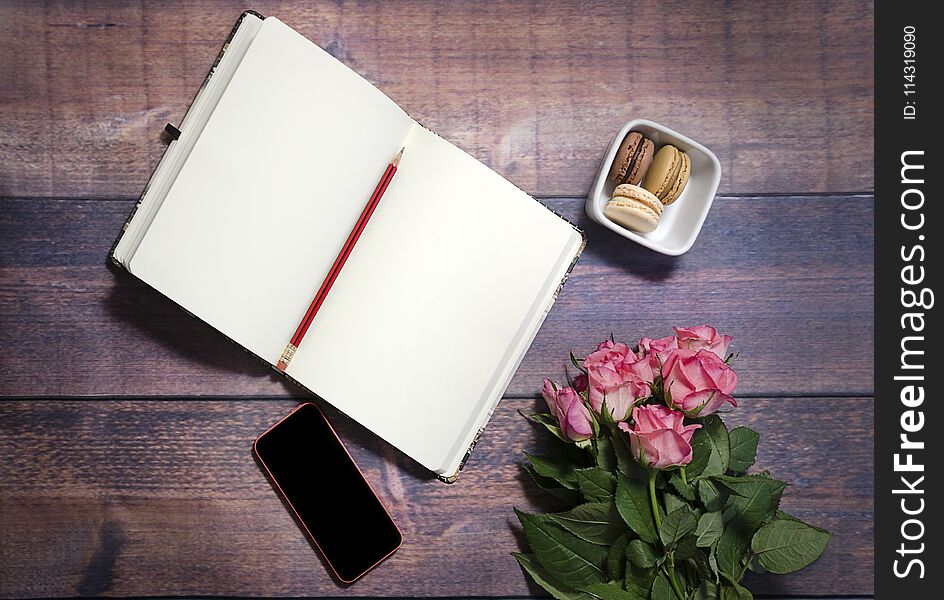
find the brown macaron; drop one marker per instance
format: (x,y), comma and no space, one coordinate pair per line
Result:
(632,159)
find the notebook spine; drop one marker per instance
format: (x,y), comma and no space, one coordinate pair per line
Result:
(111,253)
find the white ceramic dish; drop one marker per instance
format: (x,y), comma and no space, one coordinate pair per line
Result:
(682,220)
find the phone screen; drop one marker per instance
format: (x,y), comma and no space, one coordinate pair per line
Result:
(318,478)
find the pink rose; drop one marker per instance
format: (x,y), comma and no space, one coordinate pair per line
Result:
(659,438)
(604,365)
(658,350)
(703,337)
(699,383)
(619,399)
(572,414)
(618,377)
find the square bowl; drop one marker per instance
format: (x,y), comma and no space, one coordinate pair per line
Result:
(682,220)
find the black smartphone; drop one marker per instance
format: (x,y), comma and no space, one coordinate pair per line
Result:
(313,471)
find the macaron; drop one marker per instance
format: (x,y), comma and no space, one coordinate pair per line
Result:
(685,170)
(634,208)
(632,159)
(668,174)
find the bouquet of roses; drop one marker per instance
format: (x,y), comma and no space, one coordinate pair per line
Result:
(662,506)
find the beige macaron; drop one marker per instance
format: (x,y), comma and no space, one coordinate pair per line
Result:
(685,170)
(634,208)
(668,174)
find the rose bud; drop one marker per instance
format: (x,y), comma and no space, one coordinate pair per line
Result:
(575,421)
(659,438)
(698,383)
(703,337)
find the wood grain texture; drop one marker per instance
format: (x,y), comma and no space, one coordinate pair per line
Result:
(156,497)
(787,276)
(782,92)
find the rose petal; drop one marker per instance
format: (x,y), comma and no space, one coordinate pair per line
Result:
(665,448)
(550,395)
(705,402)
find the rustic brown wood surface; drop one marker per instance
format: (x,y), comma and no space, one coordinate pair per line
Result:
(113,481)
(127,497)
(785,275)
(781,91)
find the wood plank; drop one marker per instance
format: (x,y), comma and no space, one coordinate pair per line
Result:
(781,92)
(159,497)
(790,278)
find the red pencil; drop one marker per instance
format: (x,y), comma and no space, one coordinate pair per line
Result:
(332,275)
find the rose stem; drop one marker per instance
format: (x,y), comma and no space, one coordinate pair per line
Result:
(652,499)
(658,519)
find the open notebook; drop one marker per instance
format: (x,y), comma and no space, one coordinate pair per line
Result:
(249,207)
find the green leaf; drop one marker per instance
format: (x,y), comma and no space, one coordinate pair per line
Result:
(638,581)
(662,589)
(719,438)
(755,567)
(616,557)
(573,562)
(732,483)
(624,458)
(711,449)
(560,471)
(743,448)
(713,561)
(747,499)
(594,522)
(709,494)
(641,554)
(541,418)
(608,591)
(786,517)
(735,591)
(676,525)
(672,502)
(730,550)
(751,509)
(788,545)
(703,565)
(684,490)
(632,501)
(546,580)
(606,457)
(701,454)
(709,529)
(552,487)
(547,421)
(596,484)
(708,590)
(686,548)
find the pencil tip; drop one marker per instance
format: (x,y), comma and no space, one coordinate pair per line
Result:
(396,159)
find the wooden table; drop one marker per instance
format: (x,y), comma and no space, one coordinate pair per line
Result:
(126,425)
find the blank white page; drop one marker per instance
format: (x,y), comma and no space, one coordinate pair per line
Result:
(271,190)
(437,304)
